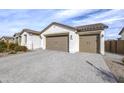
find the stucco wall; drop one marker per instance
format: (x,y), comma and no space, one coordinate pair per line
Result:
(74,42)
(36,41)
(28,44)
(122,36)
(33,41)
(102,43)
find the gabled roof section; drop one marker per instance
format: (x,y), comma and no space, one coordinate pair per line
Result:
(6,37)
(17,34)
(58,24)
(121,31)
(92,27)
(30,32)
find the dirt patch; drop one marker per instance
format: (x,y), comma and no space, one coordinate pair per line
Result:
(3,54)
(9,54)
(117,69)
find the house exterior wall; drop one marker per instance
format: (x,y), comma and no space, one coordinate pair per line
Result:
(73,38)
(33,41)
(102,43)
(29,43)
(17,39)
(122,36)
(36,41)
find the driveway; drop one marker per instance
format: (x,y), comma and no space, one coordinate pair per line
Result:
(53,66)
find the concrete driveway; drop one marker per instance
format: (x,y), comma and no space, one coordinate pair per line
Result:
(53,66)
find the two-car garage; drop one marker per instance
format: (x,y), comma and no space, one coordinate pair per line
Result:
(87,43)
(89,38)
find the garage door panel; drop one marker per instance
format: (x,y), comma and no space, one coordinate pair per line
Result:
(89,44)
(57,43)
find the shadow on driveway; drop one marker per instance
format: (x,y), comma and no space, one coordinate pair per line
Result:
(106,75)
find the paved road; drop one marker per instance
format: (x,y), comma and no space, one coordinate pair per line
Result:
(52,66)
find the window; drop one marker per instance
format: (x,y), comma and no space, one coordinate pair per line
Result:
(16,40)
(19,40)
(25,39)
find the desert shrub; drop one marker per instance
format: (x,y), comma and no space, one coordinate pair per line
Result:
(12,46)
(21,48)
(3,46)
(121,80)
(12,52)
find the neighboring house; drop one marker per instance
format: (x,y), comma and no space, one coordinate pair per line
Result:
(30,38)
(88,38)
(122,34)
(7,39)
(17,38)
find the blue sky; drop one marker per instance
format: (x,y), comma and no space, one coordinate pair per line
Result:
(12,21)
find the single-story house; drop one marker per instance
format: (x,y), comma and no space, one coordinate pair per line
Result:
(7,39)
(87,38)
(122,34)
(29,38)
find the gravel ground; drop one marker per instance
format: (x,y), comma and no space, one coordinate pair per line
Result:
(44,66)
(115,65)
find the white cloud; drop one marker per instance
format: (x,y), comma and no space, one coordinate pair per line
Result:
(65,14)
(106,17)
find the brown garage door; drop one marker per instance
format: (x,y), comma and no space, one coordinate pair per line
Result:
(89,43)
(59,43)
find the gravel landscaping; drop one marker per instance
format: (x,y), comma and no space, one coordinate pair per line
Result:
(44,66)
(116,65)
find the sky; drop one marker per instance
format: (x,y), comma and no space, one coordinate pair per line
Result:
(12,21)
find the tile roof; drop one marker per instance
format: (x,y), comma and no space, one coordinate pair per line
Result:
(30,31)
(91,27)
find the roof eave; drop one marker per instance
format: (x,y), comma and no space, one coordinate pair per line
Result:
(55,23)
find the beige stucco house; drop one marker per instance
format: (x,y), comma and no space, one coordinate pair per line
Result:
(7,39)
(87,38)
(122,34)
(60,37)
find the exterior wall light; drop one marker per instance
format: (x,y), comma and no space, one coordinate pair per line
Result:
(71,38)
(102,35)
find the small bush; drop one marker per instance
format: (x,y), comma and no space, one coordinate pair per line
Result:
(12,46)
(12,52)
(121,80)
(3,46)
(21,48)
